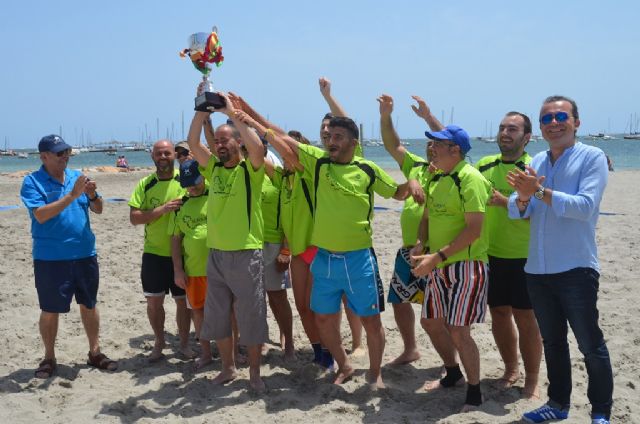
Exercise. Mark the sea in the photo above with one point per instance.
(625, 154)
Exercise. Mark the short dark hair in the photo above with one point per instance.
(347, 124)
(527, 121)
(558, 98)
(297, 135)
(328, 115)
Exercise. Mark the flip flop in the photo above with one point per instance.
(101, 362)
(46, 368)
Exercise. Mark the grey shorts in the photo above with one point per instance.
(235, 279)
(273, 279)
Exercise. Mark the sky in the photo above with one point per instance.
(97, 71)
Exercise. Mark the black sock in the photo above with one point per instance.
(453, 375)
(474, 397)
(317, 352)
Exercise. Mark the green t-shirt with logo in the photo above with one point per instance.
(296, 210)
(343, 198)
(271, 208)
(234, 214)
(413, 167)
(449, 197)
(190, 221)
(508, 238)
(149, 194)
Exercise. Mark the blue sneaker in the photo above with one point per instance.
(545, 413)
(599, 419)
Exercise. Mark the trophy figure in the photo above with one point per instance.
(205, 49)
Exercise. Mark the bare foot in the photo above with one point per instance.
(358, 352)
(530, 392)
(508, 379)
(156, 352)
(343, 374)
(255, 382)
(405, 358)
(375, 383)
(187, 353)
(201, 363)
(225, 376)
(431, 385)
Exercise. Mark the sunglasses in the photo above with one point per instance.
(549, 117)
(182, 152)
(62, 153)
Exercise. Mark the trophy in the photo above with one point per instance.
(205, 49)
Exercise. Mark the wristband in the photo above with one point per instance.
(442, 255)
(267, 132)
(285, 251)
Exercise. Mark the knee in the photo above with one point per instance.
(431, 326)
(460, 335)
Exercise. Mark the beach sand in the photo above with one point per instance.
(171, 391)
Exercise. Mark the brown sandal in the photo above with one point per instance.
(101, 362)
(46, 368)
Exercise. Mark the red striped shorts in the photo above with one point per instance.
(458, 293)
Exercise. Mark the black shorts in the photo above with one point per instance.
(157, 276)
(508, 283)
(57, 282)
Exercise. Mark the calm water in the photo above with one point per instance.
(624, 153)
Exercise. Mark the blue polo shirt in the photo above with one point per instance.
(67, 235)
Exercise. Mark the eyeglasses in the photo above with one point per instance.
(549, 117)
(442, 143)
(62, 153)
(182, 152)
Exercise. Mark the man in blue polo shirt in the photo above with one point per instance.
(64, 248)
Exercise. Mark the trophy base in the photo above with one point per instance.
(208, 102)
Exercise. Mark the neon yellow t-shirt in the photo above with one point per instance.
(149, 194)
(413, 167)
(190, 221)
(271, 208)
(234, 214)
(296, 210)
(343, 198)
(508, 238)
(448, 202)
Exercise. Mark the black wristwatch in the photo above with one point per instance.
(539, 193)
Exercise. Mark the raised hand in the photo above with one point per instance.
(525, 183)
(325, 86)
(386, 104)
(79, 186)
(422, 110)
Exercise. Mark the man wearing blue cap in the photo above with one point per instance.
(456, 198)
(64, 248)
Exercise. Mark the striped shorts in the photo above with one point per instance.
(458, 293)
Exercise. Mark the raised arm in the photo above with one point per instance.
(249, 137)
(325, 90)
(389, 136)
(199, 152)
(240, 103)
(424, 112)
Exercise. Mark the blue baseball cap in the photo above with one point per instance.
(52, 143)
(452, 133)
(190, 174)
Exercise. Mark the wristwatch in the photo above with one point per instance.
(539, 193)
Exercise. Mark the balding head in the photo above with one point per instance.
(163, 155)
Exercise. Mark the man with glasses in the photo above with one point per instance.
(508, 250)
(183, 153)
(153, 200)
(452, 228)
(560, 194)
(64, 248)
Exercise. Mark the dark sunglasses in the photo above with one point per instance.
(559, 117)
(65, 152)
(182, 152)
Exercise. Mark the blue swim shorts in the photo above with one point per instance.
(354, 274)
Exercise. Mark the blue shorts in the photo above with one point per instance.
(58, 281)
(354, 274)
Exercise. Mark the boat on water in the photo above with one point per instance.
(635, 136)
(600, 136)
(22, 155)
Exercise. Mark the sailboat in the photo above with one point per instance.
(633, 135)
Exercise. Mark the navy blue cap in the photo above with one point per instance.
(189, 173)
(452, 133)
(52, 143)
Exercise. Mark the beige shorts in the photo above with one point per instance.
(274, 280)
(235, 279)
